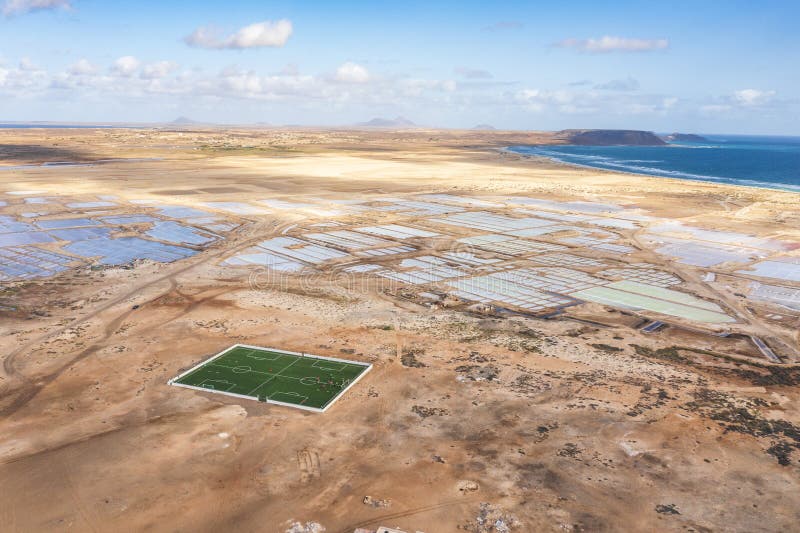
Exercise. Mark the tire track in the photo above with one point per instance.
(404, 514)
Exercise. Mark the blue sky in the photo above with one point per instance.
(710, 66)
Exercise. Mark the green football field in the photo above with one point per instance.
(274, 376)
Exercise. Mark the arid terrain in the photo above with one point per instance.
(479, 415)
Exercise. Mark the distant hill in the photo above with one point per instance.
(610, 137)
(185, 121)
(380, 122)
(685, 137)
(484, 127)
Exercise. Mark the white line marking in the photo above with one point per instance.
(275, 375)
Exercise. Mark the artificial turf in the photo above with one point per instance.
(274, 376)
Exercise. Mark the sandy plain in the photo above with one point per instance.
(468, 421)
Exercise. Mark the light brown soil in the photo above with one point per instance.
(550, 425)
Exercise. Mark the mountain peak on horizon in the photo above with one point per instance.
(381, 122)
(184, 120)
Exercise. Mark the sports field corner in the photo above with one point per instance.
(270, 375)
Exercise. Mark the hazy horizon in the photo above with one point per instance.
(688, 67)
(355, 126)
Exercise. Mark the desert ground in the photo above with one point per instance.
(476, 417)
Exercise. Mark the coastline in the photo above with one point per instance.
(713, 180)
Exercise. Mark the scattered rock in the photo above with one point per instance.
(530, 384)
(606, 348)
(478, 358)
(308, 527)
(667, 509)
(479, 373)
(570, 450)
(378, 504)
(425, 412)
(467, 485)
(409, 358)
(492, 519)
(743, 415)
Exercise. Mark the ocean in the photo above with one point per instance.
(755, 161)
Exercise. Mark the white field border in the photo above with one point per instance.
(324, 408)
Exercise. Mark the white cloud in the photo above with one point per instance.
(158, 70)
(593, 102)
(352, 73)
(18, 7)
(129, 78)
(627, 84)
(290, 69)
(752, 97)
(242, 82)
(26, 64)
(350, 87)
(416, 87)
(82, 68)
(714, 109)
(753, 100)
(537, 100)
(203, 37)
(258, 35)
(473, 73)
(126, 66)
(23, 80)
(614, 44)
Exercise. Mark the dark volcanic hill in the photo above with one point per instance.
(685, 137)
(610, 137)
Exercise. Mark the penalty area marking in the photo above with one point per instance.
(208, 384)
(329, 368)
(275, 356)
(294, 396)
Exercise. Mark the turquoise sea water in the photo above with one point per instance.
(756, 161)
